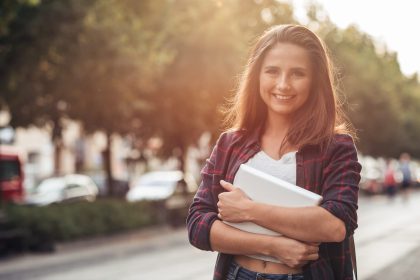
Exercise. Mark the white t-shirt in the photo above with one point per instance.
(284, 168)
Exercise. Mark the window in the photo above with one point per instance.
(9, 169)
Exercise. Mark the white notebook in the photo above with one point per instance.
(265, 188)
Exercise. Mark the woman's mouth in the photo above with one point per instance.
(282, 96)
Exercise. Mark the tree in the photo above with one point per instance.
(32, 63)
(9, 10)
(380, 101)
(211, 40)
(94, 64)
(118, 56)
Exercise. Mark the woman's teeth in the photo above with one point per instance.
(283, 97)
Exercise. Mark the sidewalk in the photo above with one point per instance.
(387, 244)
(130, 237)
(406, 267)
(89, 249)
(388, 238)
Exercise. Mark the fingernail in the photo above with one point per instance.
(222, 181)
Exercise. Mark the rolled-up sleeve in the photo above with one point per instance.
(340, 184)
(203, 210)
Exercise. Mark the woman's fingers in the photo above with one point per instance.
(312, 257)
(313, 243)
(311, 253)
(313, 249)
(227, 186)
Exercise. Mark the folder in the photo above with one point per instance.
(264, 188)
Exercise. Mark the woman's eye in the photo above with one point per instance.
(271, 71)
(298, 74)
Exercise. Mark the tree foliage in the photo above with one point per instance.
(210, 45)
(381, 102)
(163, 68)
(33, 65)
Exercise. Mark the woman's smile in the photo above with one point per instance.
(283, 97)
(285, 79)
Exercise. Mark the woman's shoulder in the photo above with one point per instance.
(342, 143)
(226, 143)
(336, 141)
(231, 137)
(341, 138)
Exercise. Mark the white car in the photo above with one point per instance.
(160, 185)
(66, 188)
(170, 191)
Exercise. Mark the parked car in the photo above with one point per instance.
(417, 175)
(120, 187)
(172, 190)
(73, 187)
(11, 174)
(372, 175)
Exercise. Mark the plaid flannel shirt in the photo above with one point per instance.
(333, 173)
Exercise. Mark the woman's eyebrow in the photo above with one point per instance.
(297, 68)
(271, 67)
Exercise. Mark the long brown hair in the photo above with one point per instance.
(321, 116)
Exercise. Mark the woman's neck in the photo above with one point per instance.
(274, 134)
(276, 127)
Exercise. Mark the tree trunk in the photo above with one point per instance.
(79, 154)
(58, 146)
(57, 139)
(107, 156)
(182, 157)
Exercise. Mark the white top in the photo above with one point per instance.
(284, 168)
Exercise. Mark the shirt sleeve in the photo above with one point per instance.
(341, 180)
(203, 210)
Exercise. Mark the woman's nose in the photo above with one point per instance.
(283, 83)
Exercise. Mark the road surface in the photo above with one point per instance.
(387, 242)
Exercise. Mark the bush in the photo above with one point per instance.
(42, 226)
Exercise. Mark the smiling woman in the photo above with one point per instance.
(285, 106)
(285, 80)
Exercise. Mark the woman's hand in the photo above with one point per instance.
(233, 205)
(294, 253)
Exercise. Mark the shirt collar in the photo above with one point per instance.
(253, 137)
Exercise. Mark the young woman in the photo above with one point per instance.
(285, 121)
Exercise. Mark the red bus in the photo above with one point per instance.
(11, 174)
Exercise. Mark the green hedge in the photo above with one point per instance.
(63, 222)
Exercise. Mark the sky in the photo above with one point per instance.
(395, 23)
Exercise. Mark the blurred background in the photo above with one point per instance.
(109, 109)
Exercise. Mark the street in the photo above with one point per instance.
(387, 242)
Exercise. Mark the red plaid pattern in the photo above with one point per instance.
(333, 173)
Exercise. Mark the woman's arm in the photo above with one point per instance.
(207, 232)
(330, 222)
(311, 224)
(229, 240)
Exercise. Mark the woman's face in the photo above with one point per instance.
(285, 79)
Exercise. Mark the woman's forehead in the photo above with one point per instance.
(287, 54)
